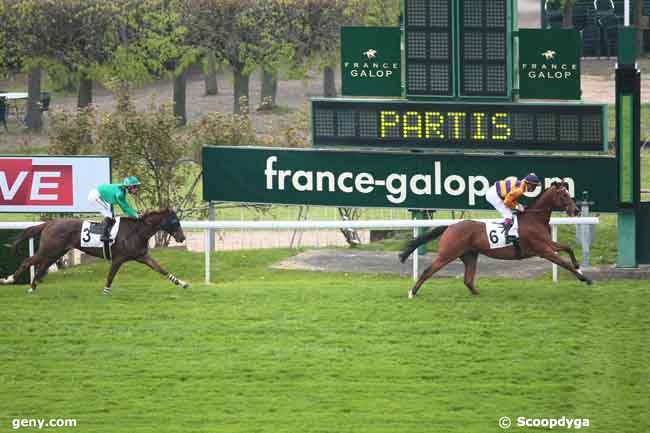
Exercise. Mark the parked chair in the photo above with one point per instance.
(3, 112)
(45, 101)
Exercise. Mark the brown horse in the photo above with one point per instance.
(467, 239)
(57, 237)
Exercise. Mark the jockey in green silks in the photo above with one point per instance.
(108, 194)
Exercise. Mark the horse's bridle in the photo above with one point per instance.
(170, 224)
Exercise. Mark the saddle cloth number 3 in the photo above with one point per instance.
(90, 239)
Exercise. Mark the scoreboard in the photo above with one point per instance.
(459, 125)
(457, 48)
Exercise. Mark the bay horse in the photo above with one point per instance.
(59, 236)
(467, 239)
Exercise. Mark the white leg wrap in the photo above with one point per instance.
(106, 291)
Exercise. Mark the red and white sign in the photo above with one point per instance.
(50, 184)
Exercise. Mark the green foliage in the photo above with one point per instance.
(146, 144)
(72, 132)
(375, 12)
(223, 129)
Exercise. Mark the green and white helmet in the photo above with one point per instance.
(131, 181)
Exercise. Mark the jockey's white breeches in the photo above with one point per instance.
(102, 207)
(493, 198)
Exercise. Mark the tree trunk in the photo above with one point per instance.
(210, 74)
(85, 95)
(34, 118)
(329, 82)
(241, 92)
(639, 30)
(180, 87)
(567, 20)
(122, 92)
(269, 90)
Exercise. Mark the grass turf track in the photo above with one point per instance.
(285, 351)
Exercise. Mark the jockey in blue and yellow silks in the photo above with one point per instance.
(503, 195)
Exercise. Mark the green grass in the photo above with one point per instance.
(264, 350)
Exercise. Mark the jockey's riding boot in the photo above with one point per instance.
(507, 225)
(108, 225)
(512, 239)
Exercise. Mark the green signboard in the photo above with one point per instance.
(385, 179)
(459, 125)
(549, 63)
(371, 61)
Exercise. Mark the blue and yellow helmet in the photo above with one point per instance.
(131, 181)
(532, 179)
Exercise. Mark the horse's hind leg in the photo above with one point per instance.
(437, 264)
(471, 265)
(29, 261)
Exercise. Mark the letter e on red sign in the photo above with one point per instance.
(24, 184)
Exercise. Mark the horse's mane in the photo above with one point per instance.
(150, 213)
(157, 212)
(539, 201)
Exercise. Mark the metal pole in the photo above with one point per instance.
(626, 13)
(32, 272)
(554, 235)
(206, 241)
(415, 256)
(212, 216)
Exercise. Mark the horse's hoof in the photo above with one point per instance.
(31, 291)
(106, 291)
(185, 286)
(411, 295)
(589, 282)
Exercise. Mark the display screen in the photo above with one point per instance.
(459, 125)
(458, 48)
(429, 47)
(483, 48)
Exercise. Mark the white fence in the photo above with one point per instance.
(209, 226)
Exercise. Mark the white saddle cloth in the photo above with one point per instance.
(92, 240)
(496, 236)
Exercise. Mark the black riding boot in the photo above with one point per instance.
(106, 236)
(506, 231)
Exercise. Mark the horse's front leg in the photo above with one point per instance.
(550, 255)
(567, 249)
(147, 260)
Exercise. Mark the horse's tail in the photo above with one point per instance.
(30, 232)
(411, 245)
